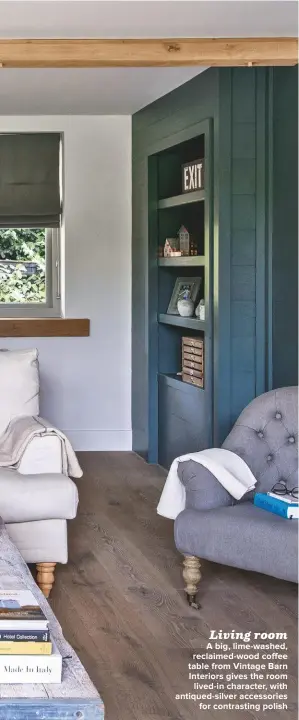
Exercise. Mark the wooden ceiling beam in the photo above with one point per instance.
(76, 53)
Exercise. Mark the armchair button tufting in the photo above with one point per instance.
(260, 434)
(269, 458)
(278, 416)
(291, 439)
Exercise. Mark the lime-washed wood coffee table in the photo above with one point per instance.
(75, 698)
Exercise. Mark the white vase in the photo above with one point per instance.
(200, 310)
(186, 307)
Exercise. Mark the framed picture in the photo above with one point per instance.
(181, 285)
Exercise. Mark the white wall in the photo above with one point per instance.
(86, 382)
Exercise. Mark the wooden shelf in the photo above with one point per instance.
(184, 199)
(191, 323)
(184, 261)
(44, 327)
(176, 381)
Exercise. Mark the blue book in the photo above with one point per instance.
(276, 506)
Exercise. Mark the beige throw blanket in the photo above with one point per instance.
(227, 467)
(21, 431)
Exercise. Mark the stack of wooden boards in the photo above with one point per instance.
(193, 361)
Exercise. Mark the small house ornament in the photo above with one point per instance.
(171, 248)
(184, 238)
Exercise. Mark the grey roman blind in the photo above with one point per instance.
(29, 180)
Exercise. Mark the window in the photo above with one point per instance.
(30, 209)
(29, 272)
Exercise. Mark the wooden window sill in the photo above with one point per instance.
(44, 327)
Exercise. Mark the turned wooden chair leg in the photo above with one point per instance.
(45, 577)
(192, 576)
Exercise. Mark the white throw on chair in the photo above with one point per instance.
(36, 495)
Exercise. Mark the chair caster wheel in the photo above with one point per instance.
(192, 602)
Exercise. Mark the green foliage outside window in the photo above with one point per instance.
(23, 280)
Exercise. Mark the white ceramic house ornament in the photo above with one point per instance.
(184, 237)
(167, 248)
(171, 247)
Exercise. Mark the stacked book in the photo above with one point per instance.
(284, 505)
(27, 653)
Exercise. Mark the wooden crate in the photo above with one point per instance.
(193, 343)
(192, 364)
(192, 380)
(191, 371)
(192, 353)
(193, 360)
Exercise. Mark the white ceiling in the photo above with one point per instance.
(122, 90)
(145, 18)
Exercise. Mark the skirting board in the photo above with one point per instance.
(109, 440)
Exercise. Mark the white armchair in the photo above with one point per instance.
(36, 496)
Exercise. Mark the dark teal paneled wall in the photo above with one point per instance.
(246, 306)
(243, 239)
(239, 243)
(152, 127)
(285, 227)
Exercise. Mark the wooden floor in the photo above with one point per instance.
(121, 604)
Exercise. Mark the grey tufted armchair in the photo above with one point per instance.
(216, 527)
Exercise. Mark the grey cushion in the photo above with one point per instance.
(242, 536)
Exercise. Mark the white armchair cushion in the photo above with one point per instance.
(41, 540)
(25, 498)
(19, 385)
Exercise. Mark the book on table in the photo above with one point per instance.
(30, 635)
(277, 504)
(27, 654)
(19, 610)
(17, 647)
(31, 669)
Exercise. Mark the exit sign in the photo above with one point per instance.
(192, 176)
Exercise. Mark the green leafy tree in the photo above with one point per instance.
(23, 245)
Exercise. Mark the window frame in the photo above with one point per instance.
(52, 306)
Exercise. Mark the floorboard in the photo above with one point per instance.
(121, 604)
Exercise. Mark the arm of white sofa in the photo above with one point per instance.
(42, 455)
(22, 432)
(26, 445)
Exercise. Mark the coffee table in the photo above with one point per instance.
(76, 698)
